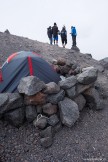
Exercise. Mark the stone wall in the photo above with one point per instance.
(50, 106)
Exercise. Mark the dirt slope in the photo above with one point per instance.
(86, 141)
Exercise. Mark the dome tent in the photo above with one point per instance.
(22, 64)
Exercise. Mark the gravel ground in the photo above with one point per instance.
(86, 141)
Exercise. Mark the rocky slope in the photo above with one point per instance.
(86, 140)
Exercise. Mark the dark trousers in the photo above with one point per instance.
(74, 40)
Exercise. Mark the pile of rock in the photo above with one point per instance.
(66, 68)
(50, 106)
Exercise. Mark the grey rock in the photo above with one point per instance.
(48, 132)
(53, 120)
(87, 68)
(30, 85)
(46, 142)
(93, 99)
(31, 113)
(15, 117)
(52, 88)
(3, 101)
(98, 67)
(80, 100)
(80, 88)
(49, 109)
(77, 70)
(69, 112)
(12, 101)
(88, 76)
(71, 93)
(39, 109)
(68, 82)
(55, 98)
(41, 122)
(88, 55)
(57, 127)
(104, 62)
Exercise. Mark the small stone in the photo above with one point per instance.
(46, 132)
(46, 142)
(49, 109)
(41, 122)
(53, 120)
(52, 88)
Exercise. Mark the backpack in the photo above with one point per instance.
(63, 33)
(73, 31)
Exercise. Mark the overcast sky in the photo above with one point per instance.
(30, 18)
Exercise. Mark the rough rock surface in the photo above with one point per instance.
(88, 138)
(15, 117)
(69, 112)
(68, 82)
(31, 113)
(52, 88)
(93, 98)
(87, 76)
(80, 100)
(55, 98)
(30, 85)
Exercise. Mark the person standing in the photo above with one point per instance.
(73, 34)
(55, 33)
(63, 36)
(49, 33)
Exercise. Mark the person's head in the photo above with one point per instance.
(63, 27)
(49, 27)
(55, 24)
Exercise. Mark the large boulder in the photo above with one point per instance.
(69, 112)
(93, 99)
(10, 101)
(52, 88)
(55, 98)
(71, 93)
(88, 76)
(68, 82)
(30, 85)
(15, 117)
(80, 100)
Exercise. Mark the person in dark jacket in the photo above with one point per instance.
(63, 36)
(49, 33)
(55, 32)
(73, 34)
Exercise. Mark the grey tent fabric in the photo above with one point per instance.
(18, 66)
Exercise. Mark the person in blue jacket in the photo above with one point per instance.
(73, 34)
